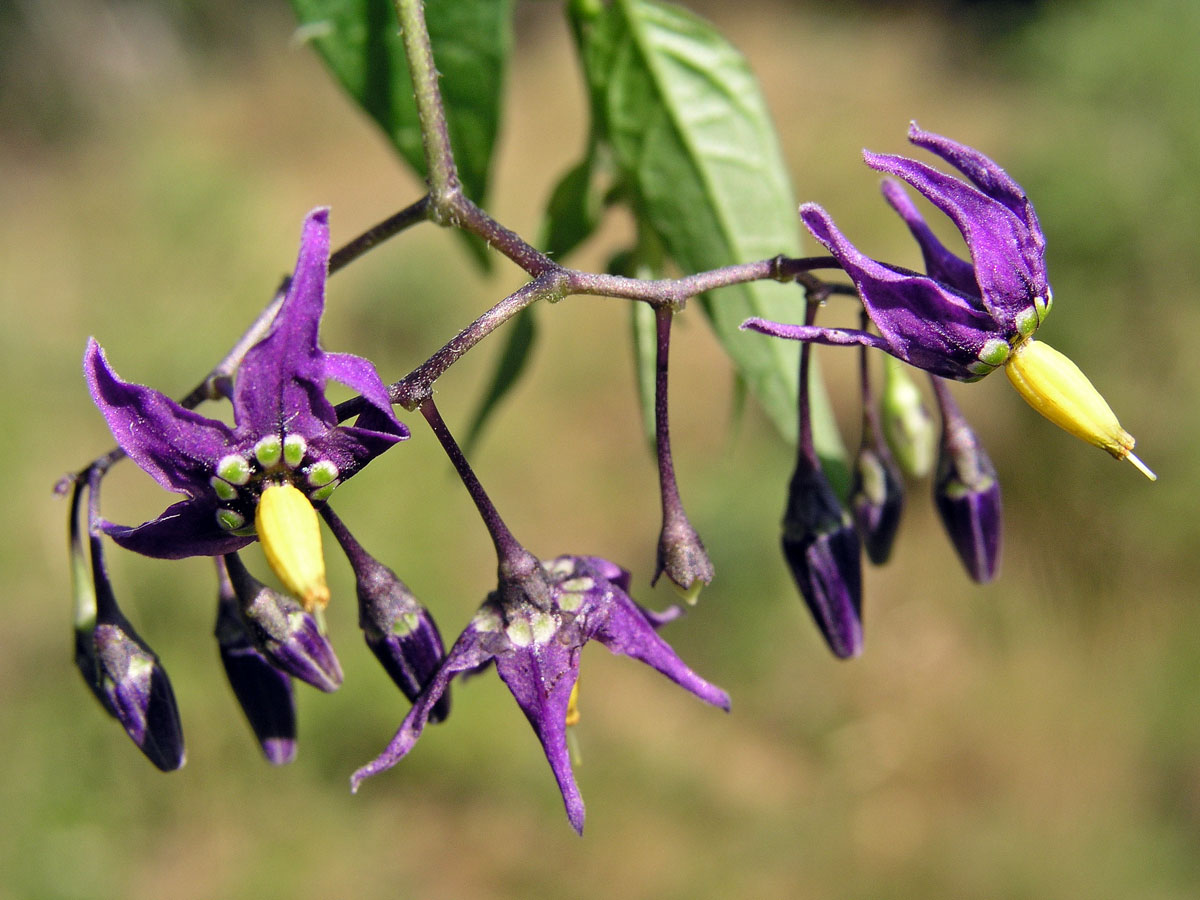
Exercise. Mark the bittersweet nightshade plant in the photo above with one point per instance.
(533, 627)
(286, 442)
(672, 106)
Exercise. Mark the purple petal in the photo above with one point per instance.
(620, 626)
(925, 323)
(281, 380)
(940, 263)
(177, 447)
(1009, 264)
(350, 448)
(187, 528)
(540, 678)
(983, 173)
(469, 651)
(359, 375)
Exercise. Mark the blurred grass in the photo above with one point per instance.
(1038, 737)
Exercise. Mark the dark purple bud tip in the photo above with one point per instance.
(876, 500)
(967, 494)
(824, 554)
(263, 691)
(399, 630)
(683, 559)
(135, 689)
(283, 632)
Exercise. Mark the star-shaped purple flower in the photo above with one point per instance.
(961, 319)
(285, 433)
(534, 636)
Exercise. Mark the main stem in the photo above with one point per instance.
(444, 184)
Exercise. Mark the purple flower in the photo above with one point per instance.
(961, 319)
(533, 627)
(285, 435)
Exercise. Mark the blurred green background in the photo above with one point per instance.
(1038, 737)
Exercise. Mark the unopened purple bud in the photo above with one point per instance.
(876, 499)
(966, 491)
(400, 631)
(119, 667)
(823, 551)
(682, 557)
(281, 629)
(136, 690)
(263, 691)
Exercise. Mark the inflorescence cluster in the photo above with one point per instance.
(269, 478)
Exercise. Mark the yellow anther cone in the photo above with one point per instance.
(1055, 387)
(290, 535)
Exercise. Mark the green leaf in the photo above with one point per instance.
(691, 134)
(513, 361)
(645, 362)
(360, 42)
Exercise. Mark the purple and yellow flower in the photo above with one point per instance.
(285, 453)
(963, 320)
(533, 628)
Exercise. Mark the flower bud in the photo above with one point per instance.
(682, 557)
(263, 691)
(1055, 387)
(907, 423)
(966, 492)
(822, 550)
(399, 630)
(283, 632)
(117, 665)
(876, 500)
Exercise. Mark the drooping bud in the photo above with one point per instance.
(907, 423)
(681, 553)
(820, 543)
(683, 559)
(263, 691)
(966, 491)
(119, 667)
(290, 534)
(283, 631)
(1055, 387)
(823, 552)
(877, 488)
(398, 629)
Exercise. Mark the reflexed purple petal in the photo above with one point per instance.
(983, 173)
(940, 263)
(540, 678)
(176, 446)
(618, 576)
(925, 323)
(1009, 268)
(468, 652)
(359, 375)
(187, 528)
(621, 627)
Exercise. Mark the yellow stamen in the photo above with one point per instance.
(1055, 387)
(290, 534)
(573, 705)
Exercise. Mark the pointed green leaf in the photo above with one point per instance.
(690, 132)
(573, 211)
(360, 42)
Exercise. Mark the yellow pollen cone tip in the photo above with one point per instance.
(290, 534)
(1055, 387)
